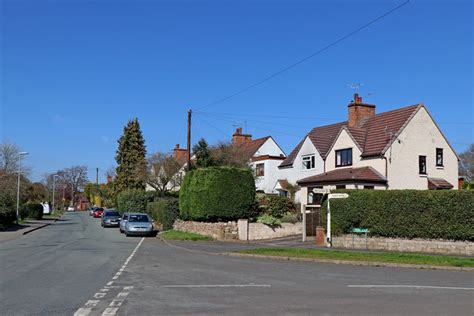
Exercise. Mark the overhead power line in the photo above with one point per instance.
(293, 65)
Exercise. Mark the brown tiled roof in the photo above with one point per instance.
(251, 148)
(438, 184)
(362, 174)
(372, 135)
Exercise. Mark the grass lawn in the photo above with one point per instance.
(390, 257)
(179, 235)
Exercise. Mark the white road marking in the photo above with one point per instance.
(116, 303)
(411, 287)
(99, 295)
(92, 303)
(104, 290)
(122, 294)
(110, 283)
(110, 311)
(128, 287)
(82, 312)
(216, 285)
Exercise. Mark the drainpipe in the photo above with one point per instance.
(386, 168)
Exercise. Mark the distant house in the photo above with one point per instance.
(399, 149)
(264, 156)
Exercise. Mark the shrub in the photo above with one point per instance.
(216, 193)
(133, 201)
(164, 211)
(269, 220)
(275, 205)
(290, 218)
(406, 213)
(31, 210)
(7, 210)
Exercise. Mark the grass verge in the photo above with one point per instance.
(179, 235)
(389, 257)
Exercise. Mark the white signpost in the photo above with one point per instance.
(332, 196)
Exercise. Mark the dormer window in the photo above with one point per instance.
(309, 162)
(344, 157)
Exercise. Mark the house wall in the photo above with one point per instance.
(270, 147)
(420, 137)
(345, 141)
(271, 175)
(296, 172)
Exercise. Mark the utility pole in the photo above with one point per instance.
(189, 138)
(54, 188)
(97, 176)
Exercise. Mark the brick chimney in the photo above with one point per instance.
(359, 112)
(238, 138)
(179, 153)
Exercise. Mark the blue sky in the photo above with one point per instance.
(73, 72)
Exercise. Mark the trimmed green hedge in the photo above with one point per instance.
(216, 193)
(164, 211)
(133, 200)
(31, 210)
(406, 213)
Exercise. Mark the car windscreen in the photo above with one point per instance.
(125, 217)
(112, 214)
(138, 218)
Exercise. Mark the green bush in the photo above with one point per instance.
(216, 193)
(273, 205)
(406, 213)
(133, 201)
(31, 210)
(290, 218)
(7, 210)
(164, 211)
(269, 220)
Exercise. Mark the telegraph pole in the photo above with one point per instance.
(97, 176)
(189, 138)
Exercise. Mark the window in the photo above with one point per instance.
(422, 164)
(368, 187)
(308, 162)
(260, 169)
(439, 157)
(344, 157)
(314, 198)
(339, 187)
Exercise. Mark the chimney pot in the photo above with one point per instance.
(359, 111)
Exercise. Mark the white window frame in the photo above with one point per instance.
(308, 158)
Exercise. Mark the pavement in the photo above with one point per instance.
(16, 231)
(76, 267)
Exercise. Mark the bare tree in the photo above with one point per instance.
(9, 159)
(75, 178)
(466, 163)
(226, 154)
(163, 172)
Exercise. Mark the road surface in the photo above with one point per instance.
(77, 267)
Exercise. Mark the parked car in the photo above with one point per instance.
(98, 212)
(123, 222)
(71, 209)
(139, 224)
(91, 210)
(110, 218)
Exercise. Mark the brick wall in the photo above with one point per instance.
(445, 247)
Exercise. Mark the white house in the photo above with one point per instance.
(399, 149)
(264, 157)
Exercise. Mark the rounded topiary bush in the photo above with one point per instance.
(216, 193)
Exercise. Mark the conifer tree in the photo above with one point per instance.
(130, 157)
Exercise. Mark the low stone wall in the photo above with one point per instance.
(220, 230)
(239, 231)
(258, 231)
(445, 247)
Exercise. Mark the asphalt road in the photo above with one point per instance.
(54, 270)
(75, 266)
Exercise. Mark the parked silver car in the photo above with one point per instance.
(110, 218)
(123, 222)
(139, 224)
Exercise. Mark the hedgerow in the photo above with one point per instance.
(406, 213)
(165, 211)
(216, 193)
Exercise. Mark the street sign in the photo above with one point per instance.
(321, 191)
(338, 196)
